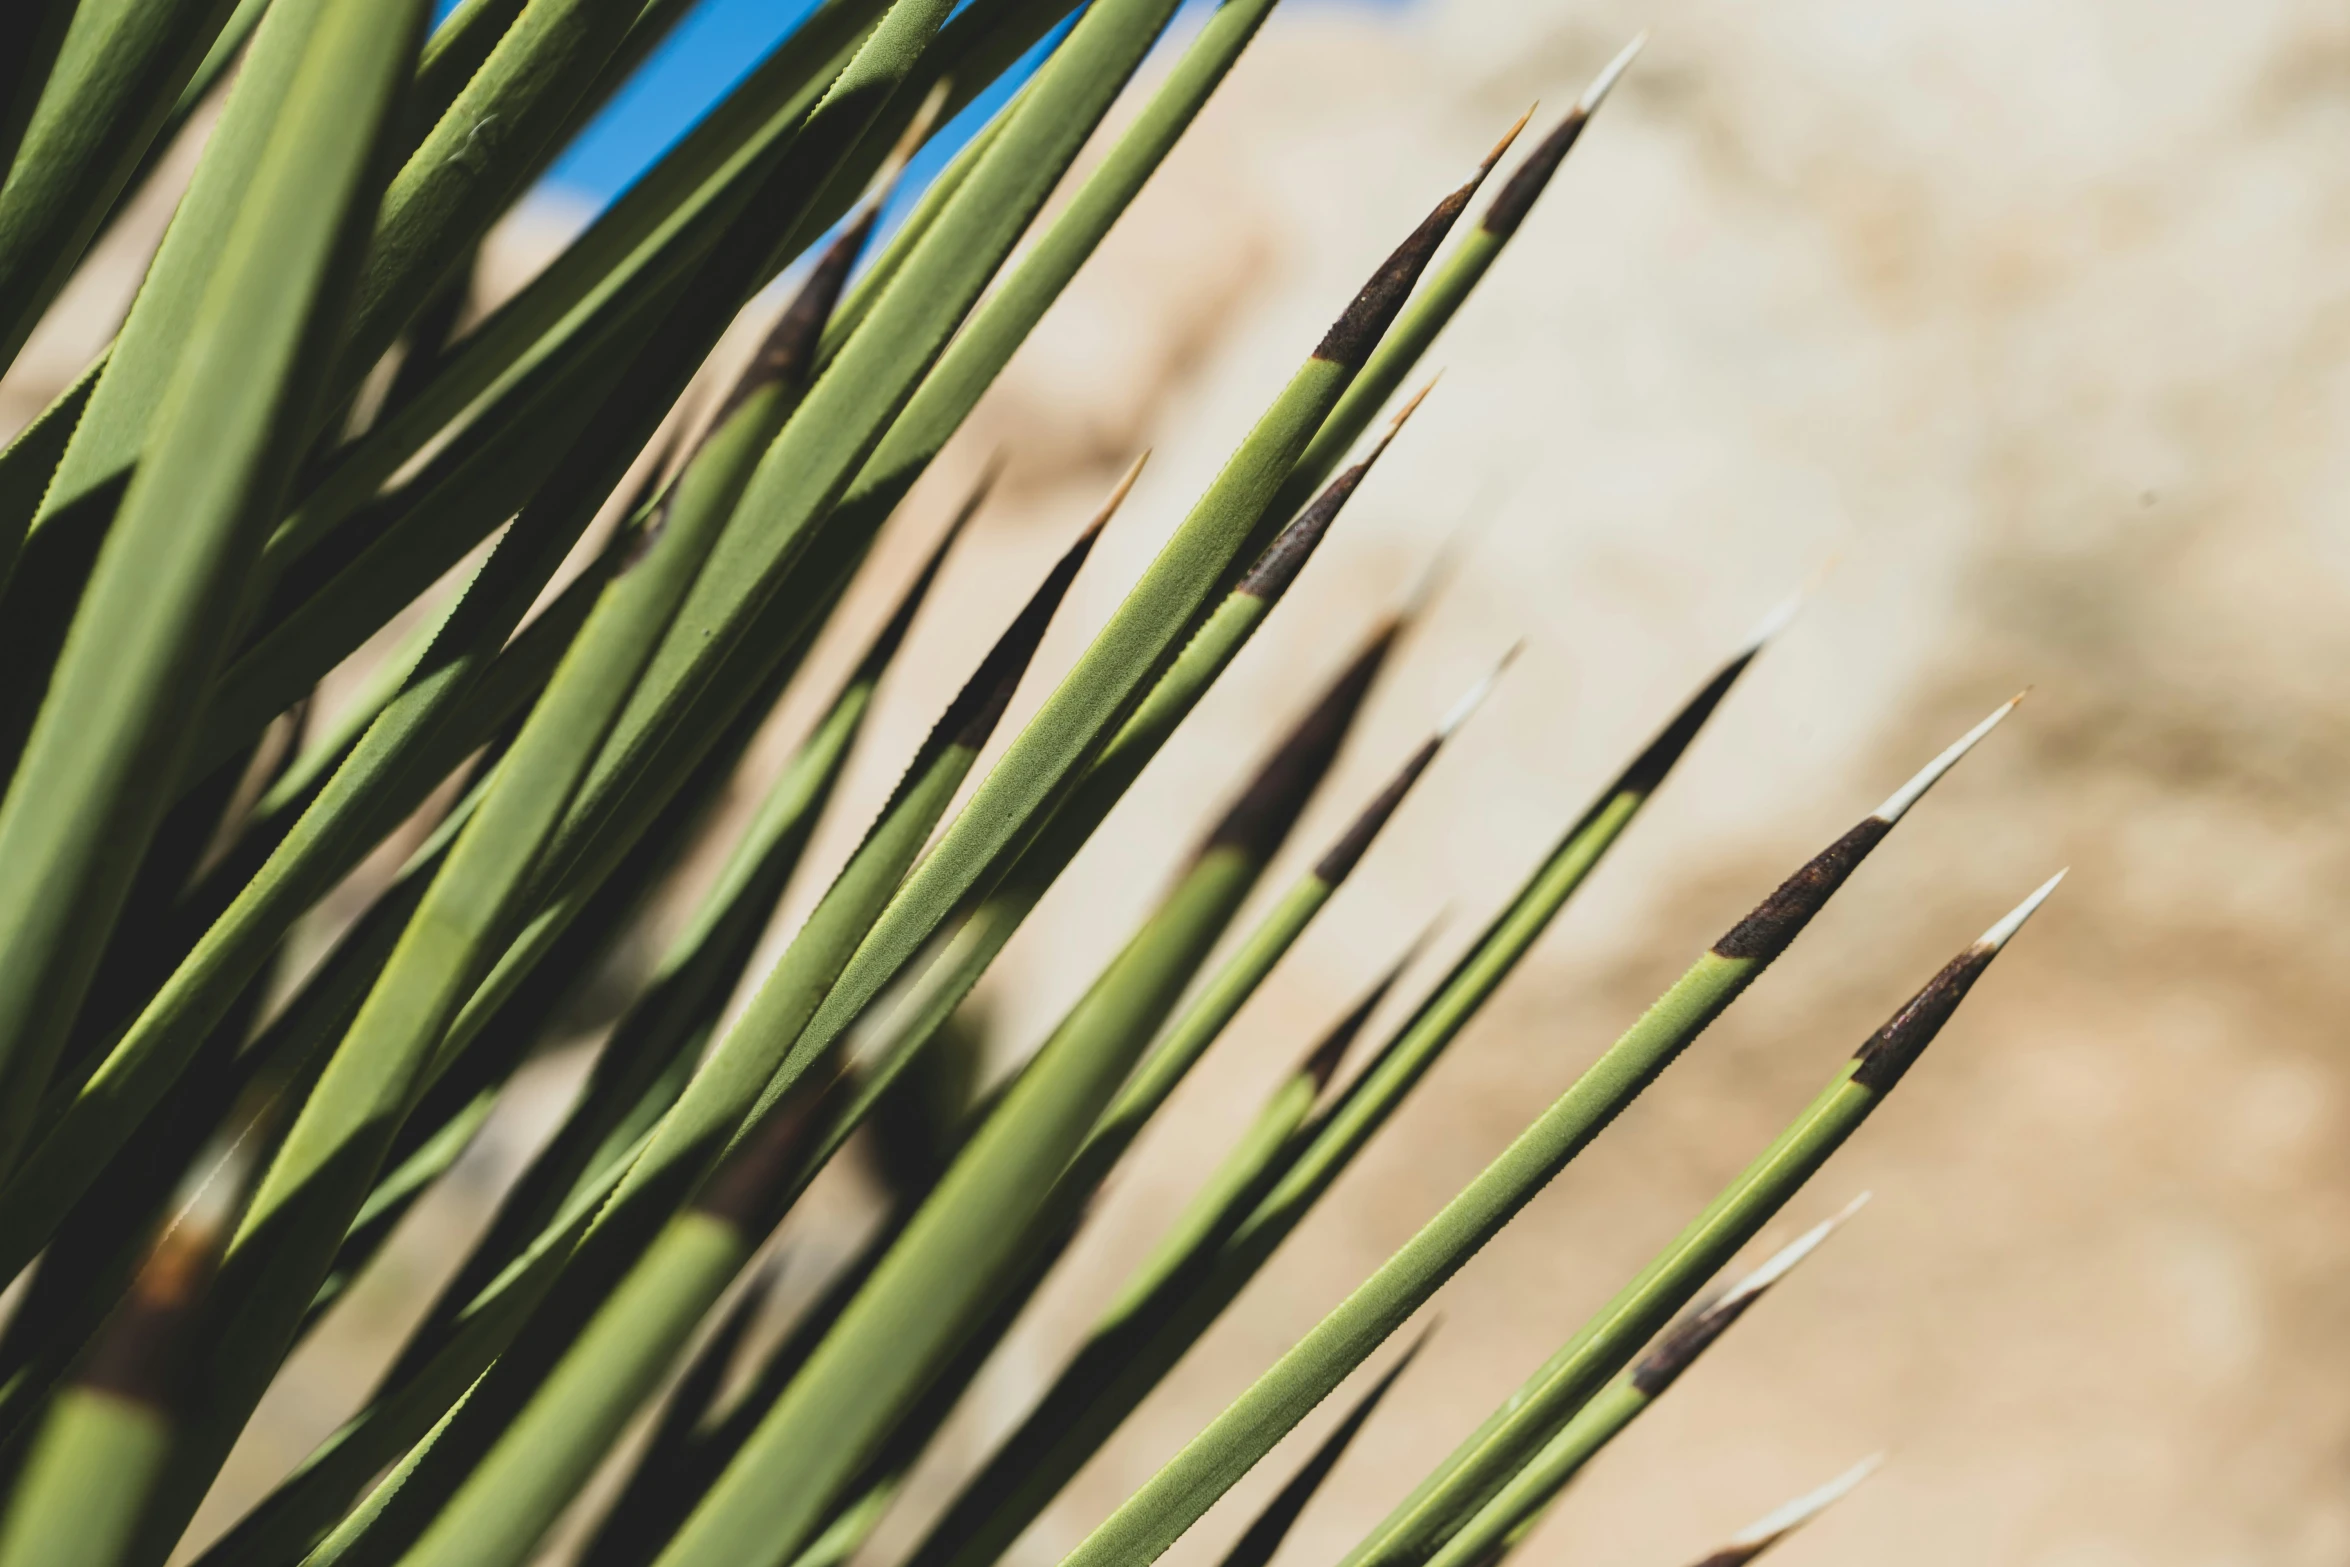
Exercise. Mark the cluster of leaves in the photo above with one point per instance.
(290, 441)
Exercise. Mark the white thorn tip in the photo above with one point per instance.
(1929, 775)
(1999, 935)
(1605, 82)
(1781, 616)
(1475, 696)
(1123, 488)
(1806, 1507)
(1411, 406)
(1782, 1262)
(909, 142)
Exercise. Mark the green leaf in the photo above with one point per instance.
(1449, 285)
(539, 1423)
(978, 1227)
(119, 421)
(635, 1075)
(161, 605)
(498, 132)
(102, 1448)
(1503, 1523)
(1156, 1515)
(28, 462)
(119, 67)
(975, 939)
(1487, 1462)
(29, 38)
(96, 1452)
(1114, 674)
(1169, 1304)
(1264, 1535)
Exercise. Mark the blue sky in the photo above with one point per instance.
(712, 49)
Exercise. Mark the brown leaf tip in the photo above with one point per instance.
(1679, 1345)
(1359, 327)
(754, 1176)
(138, 1356)
(788, 352)
(1261, 817)
(1892, 1050)
(1340, 859)
(973, 714)
(1526, 183)
(1287, 555)
(1321, 1062)
(1780, 918)
(1647, 771)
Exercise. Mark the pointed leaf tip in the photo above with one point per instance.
(1474, 698)
(1322, 1061)
(1647, 771)
(2000, 934)
(1340, 859)
(1273, 571)
(1359, 327)
(1782, 1262)
(1677, 1348)
(1609, 74)
(1898, 803)
(1775, 1526)
(1261, 817)
(1775, 922)
(788, 352)
(973, 714)
(1410, 407)
(1889, 1053)
(892, 636)
(1781, 616)
(1533, 174)
(1118, 493)
(1507, 137)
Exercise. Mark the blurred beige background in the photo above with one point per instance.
(2031, 320)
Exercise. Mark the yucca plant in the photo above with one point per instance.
(288, 444)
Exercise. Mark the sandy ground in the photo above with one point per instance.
(2027, 322)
